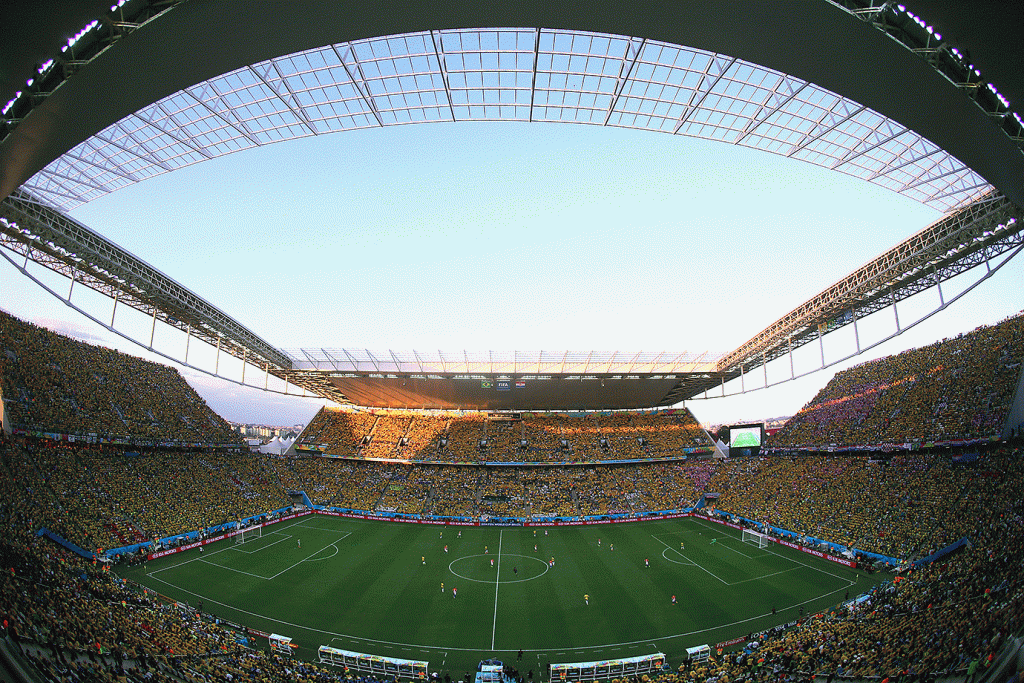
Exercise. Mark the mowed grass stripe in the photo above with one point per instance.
(380, 593)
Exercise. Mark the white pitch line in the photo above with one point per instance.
(695, 563)
(232, 569)
(758, 578)
(724, 545)
(804, 564)
(269, 545)
(497, 582)
(309, 556)
(317, 528)
(198, 558)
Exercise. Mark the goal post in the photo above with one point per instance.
(248, 534)
(755, 538)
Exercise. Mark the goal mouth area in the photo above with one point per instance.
(755, 538)
(244, 535)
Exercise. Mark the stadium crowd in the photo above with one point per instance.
(52, 383)
(903, 506)
(932, 619)
(895, 507)
(947, 617)
(74, 621)
(551, 438)
(958, 388)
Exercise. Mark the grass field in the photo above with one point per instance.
(375, 587)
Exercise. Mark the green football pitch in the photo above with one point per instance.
(388, 589)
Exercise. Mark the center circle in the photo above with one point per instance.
(507, 568)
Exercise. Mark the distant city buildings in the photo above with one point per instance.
(265, 432)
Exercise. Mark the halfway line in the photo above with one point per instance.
(497, 581)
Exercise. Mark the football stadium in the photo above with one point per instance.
(510, 516)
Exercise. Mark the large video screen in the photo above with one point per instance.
(745, 436)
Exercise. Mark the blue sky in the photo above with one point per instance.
(507, 236)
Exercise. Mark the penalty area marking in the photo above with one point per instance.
(314, 558)
(665, 552)
(734, 583)
(695, 564)
(200, 558)
(316, 528)
(804, 564)
(469, 578)
(308, 558)
(238, 549)
(345, 535)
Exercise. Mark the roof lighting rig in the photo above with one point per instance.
(898, 22)
(91, 41)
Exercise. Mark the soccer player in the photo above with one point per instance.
(460, 533)
(586, 598)
(545, 532)
(611, 546)
(534, 533)
(485, 550)
(455, 591)
(599, 543)
(423, 559)
(515, 570)
(300, 543)
(446, 548)
(681, 546)
(647, 562)
(492, 562)
(442, 586)
(714, 541)
(534, 547)
(673, 599)
(440, 534)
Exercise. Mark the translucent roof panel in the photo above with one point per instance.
(497, 362)
(509, 75)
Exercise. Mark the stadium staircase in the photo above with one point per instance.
(380, 495)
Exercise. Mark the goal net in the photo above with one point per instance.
(249, 534)
(755, 538)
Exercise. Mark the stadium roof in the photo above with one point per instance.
(322, 67)
(507, 380)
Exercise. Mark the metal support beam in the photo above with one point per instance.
(821, 347)
(792, 367)
(65, 246)
(895, 312)
(856, 331)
